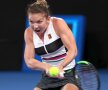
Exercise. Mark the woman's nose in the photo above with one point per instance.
(35, 26)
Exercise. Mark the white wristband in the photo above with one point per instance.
(61, 74)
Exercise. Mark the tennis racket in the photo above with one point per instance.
(87, 76)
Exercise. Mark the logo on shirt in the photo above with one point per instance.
(49, 36)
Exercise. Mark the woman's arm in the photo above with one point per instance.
(30, 53)
(67, 38)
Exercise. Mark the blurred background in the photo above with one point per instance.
(13, 24)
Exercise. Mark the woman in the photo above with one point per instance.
(51, 38)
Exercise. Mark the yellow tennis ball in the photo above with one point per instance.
(53, 71)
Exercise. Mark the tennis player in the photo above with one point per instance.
(52, 39)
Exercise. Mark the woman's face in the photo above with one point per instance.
(38, 22)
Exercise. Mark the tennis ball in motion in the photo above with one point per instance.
(53, 71)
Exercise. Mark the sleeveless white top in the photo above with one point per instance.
(52, 50)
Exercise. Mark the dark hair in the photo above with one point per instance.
(40, 6)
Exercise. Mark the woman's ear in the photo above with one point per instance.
(48, 18)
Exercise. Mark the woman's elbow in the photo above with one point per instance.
(29, 63)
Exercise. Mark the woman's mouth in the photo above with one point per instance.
(37, 30)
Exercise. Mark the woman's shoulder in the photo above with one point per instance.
(56, 19)
(58, 24)
(28, 32)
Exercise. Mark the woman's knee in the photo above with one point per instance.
(70, 86)
(36, 88)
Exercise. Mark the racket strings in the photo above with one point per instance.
(87, 76)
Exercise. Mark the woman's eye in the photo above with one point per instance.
(39, 22)
(31, 21)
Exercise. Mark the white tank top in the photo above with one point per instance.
(52, 50)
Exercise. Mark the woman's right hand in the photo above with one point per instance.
(48, 66)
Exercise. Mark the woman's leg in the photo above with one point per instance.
(36, 88)
(69, 86)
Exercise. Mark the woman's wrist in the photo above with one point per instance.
(60, 66)
(47, 66)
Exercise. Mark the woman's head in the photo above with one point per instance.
(38, 16)
(40, 6)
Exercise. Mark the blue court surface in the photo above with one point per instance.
(27, 80)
